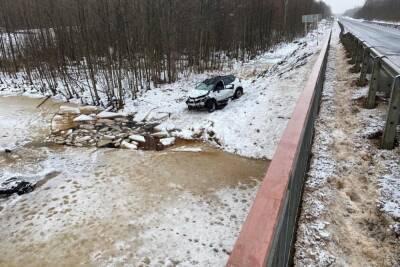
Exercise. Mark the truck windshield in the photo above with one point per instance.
(204, 87)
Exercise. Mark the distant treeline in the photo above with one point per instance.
(380, 9)
(119, 47)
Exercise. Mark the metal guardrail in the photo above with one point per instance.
(267, 237)
(385, 77)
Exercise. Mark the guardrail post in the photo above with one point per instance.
(374, 83)
(389, 134)
(349, 45)
(344, 40)
(341, 29)
(354, 51)
(355, 60)
(364, 67)
(359, 56)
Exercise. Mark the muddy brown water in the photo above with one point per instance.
(113, 207)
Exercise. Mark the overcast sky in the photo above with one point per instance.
(339, 6)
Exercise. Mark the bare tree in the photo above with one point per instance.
(113, 49)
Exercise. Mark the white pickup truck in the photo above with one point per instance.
(214, 92)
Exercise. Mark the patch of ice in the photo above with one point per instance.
(83, 118)
(167, 141)
(127, 145)
(69, 110)
(187, 149)
(110, 115)
(137, 138)
(193, 231)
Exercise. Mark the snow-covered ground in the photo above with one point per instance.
(351, 202)
(250, 126)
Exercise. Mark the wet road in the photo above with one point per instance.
(114, 207)
(385, 40)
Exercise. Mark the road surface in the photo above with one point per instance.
(385, 40)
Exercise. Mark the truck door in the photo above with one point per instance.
(229, 86)
(219, 91)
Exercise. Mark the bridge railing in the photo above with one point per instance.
(267, 236)
(385, 77)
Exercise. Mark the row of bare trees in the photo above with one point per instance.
(380, 9)
(111, 49)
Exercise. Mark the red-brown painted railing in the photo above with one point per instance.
(267, 236)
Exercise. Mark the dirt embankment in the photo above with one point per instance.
(341, 223)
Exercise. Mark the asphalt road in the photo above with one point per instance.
(385, 40)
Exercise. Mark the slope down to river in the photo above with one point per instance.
(252, 125)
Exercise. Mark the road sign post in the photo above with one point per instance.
(311, 19)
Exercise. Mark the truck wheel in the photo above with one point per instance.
(211, 105)
(238, 93)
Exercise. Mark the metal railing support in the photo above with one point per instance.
(349, 45)
(355, 68)
(354, 51)
(365, 66)
(385, 75)
(386, 84)
(358, 56)
(374, 83)
(389, 134)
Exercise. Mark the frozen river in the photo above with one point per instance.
(114, 207)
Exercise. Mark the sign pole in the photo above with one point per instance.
(313, 20)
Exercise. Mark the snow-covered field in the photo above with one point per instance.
(250, 126)
(351, 202)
